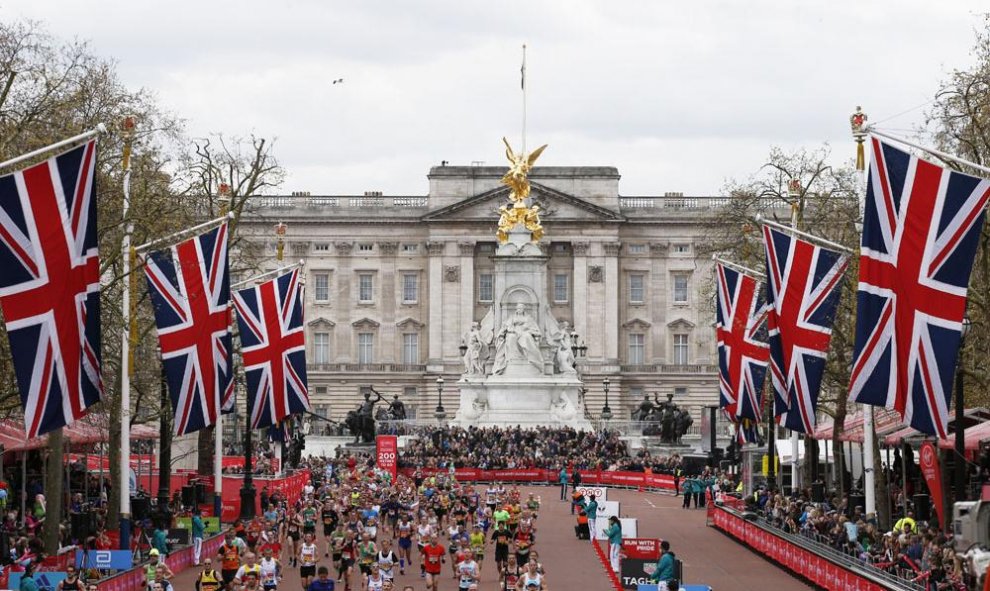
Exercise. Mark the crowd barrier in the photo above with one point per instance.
(540, 476)
(178, 561)
(821, 571)
(290, 486)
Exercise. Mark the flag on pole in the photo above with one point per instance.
(50, 287)
(743, 355)
(921, 227)
(803, 295)
(190, 290)
(270, 318)
(747, 431)
(522, 71)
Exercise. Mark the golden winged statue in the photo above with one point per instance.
(518, 182)
(520, 165)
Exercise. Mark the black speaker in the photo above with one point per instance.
(82, 525)
(818, 492)
(5, 558)
(855, 500)
(188, 495)
(140, 508)
(922, 507)
(200, 492)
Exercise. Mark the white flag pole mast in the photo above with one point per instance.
(795, 190)
(280, 230)
(66, 142)
(126, 356)
(858, 123)
(523, 83)
(224, 191)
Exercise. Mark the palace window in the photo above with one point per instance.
(410, 248)
(637, 248)
(321, 246)
(321, 287)
(560, 288)
(680, 289)
(680, 349)
(637, 349)
(366, 247)
(410, 288)
(366, 288)
(321, 347)
(410, 348)
(636, 288)
(366, 348)
(486, 287)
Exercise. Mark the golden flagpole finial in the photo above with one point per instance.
(857, 121)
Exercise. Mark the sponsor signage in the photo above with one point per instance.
(639, 561)
(177, 537)
(211, 525)
(105, 559)
(600, 492)
(928, 458)
(47, 581)
(387, 454)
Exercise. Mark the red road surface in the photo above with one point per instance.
(709, 557)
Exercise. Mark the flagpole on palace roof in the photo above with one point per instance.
(522, 72)
(66, 142)
(126, 344)
(859, 129)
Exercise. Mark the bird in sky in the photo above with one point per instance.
(338, 81)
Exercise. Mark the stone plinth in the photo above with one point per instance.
(528, 401)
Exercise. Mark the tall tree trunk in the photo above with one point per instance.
(54, 491)
(838, 454)
(206, 451)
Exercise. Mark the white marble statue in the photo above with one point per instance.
(519, 338)
(474, 364)
(564, 355)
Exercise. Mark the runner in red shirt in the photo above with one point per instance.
(434, 555)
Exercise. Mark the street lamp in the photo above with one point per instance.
(440, 413)
(606, 410)
(960, 459)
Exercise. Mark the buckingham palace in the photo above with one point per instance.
(393, 283)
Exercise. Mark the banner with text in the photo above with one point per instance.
(639, 561)
(932, 471)
(387, 453)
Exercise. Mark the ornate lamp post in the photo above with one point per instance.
(440, 413)
(606, 410)
(960, 459)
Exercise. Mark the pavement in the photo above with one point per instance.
(709, 557)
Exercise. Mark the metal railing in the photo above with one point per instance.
(367, 367)
(336, 201)
(677, 202)
(669, 368)
(893, 577)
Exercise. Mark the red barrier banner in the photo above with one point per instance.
(816, 569)
(387, 454)
(932, 471)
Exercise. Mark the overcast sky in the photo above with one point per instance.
(680, 96)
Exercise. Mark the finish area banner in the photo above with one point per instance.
(387, 454)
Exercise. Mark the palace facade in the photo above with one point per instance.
(394, 282)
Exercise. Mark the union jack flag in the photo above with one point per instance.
(270, 317)
(742, 355)
(803, 297)
(190, 290)
(747, 431)
(921, 228)
(50, 287)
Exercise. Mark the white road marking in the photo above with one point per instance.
(651, 503)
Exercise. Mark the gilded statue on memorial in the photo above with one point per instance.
(518, 182)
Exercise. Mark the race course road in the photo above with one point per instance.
(709, 557)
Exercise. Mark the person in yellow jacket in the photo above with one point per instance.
(906, 524)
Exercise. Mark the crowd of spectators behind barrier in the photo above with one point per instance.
(912, 550)
(497, 448)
